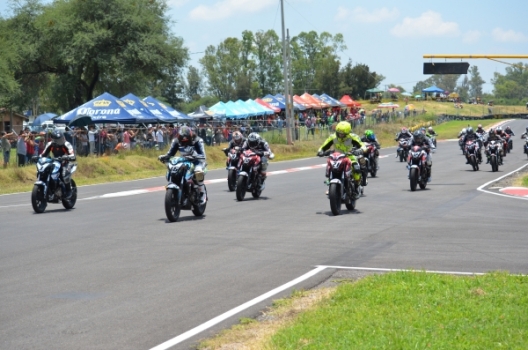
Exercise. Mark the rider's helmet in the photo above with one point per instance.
(491, 131)
(185, 136)
(253, 139)
(463, 131)
(369, 135)
(404, 130)
(237, 137)
(430, 129)
(479, 127)
(422, 130)
(418, 136)
(498, 130)
(470, 130)
(508, 128)
(343, 129)
(57, 137)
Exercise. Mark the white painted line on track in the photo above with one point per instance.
(481, 188)
(170, 343)
(204, 326)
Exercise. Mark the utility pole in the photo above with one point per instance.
(286, 80)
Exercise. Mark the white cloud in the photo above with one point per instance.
(227, 8)
(428, 24)
(176, 3)
(472, 36)
(360, 14)
(500, 34)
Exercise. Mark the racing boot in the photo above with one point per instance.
(263, 177)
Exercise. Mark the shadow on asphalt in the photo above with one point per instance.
(250, 198)
(343, 212)
(185, 218)
(60, 209)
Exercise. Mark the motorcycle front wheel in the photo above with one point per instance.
(474, 164)
(334, 195)
(38, 201)
(494, 163)
(413, 177)
(232, 180)
(172, 206)
(241, 188)
(374, 168)
(70, 202)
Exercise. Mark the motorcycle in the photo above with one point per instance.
(472, 149)
(403, 149)
(49, 187)
(508, 143)
(432, 138)
(461, 144)
(526, 145)
(182, 191)
(342, 188)
(418, 173)
(249, 178)
(368, 163)
(494, 152)
(233, 157)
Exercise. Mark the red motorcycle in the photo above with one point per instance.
(249, 178)
(472, 153)
(341, 187)
(508, 143)
(418, 173)
(233, 158)
(372, 159)
(403, 149)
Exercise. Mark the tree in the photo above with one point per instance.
(355, 81)
(463, 89)
(194, 86)
(475, 82)
(268, 62)
(89, 47)
(513, 85)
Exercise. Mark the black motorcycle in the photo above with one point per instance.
(472, 154)
(233, 157)
(50, 187)
(403, 149)
(493, 151)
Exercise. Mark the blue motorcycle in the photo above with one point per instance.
(49, 187)
(182, 191)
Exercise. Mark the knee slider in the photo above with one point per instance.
(199, 176)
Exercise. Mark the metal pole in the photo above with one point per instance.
(286, 84)
(290, 87)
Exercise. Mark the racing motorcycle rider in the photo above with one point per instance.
(462, 133)
(431, 132)
(523, 136)
(480, 131)
(188, 143)
(370, 137)
(419, 139)
(261, 147)
(237, 140)
(492, 135)
(403, 134)
(472, 136)
(509, 131)
(344, 140)
(64, 150)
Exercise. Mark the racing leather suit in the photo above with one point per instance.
(265, 153)
(427, 145)
(474, 137)
(66, 153)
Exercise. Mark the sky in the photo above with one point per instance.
(390, 37)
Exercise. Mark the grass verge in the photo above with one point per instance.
(404, 310)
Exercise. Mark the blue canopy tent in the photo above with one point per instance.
(273, 101)
(105, 108)
(222, 108)
(238, 112)
(258, 106)
(252, 111)
(158, 115)
(331, 101)
(43, 118)
(180, 116)
(296, 106)
(433, 88)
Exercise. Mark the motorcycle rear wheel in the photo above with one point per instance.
(413, 178)
(198, 210)
(241, 188)
(232, 180)
(38, 201)
(70, 202)
(334, 195)
(494, 164)
(172, 206)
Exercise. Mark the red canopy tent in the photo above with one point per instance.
(304, 102)
(349, 101)
(267, 105)
(313, 100)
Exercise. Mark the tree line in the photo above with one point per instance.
(57, 56)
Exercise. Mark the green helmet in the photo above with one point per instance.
(369, 135)
(343, 129)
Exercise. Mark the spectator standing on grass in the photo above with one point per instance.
(21, 148)
(5, 144)
(83, 138)
(91, 138)
(30, 146)
(159, 137)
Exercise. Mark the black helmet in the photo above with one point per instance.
(253, 139)
(57, 137)
(185, 136)
(418, 135)
(470, 130)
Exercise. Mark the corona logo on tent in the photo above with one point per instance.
(143, 103)
(130, 102)
(102, 103)
(121, 103)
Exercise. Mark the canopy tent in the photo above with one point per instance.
(106, 108)
(454, 95)
(43, 118)
(158, 115)
(329, 100)
(239, 111)
(302, 102)
(349, 102)
(433, 88)
(259, 107)
(418, 96)
(393, 90)
(406, 94)
(296, 105)
(220, 108)
(251, 112)
(274, 102)
(267, 105)
(313, 99)
(203, 112)
(151, 101)
(388, 105)
(375, 90)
